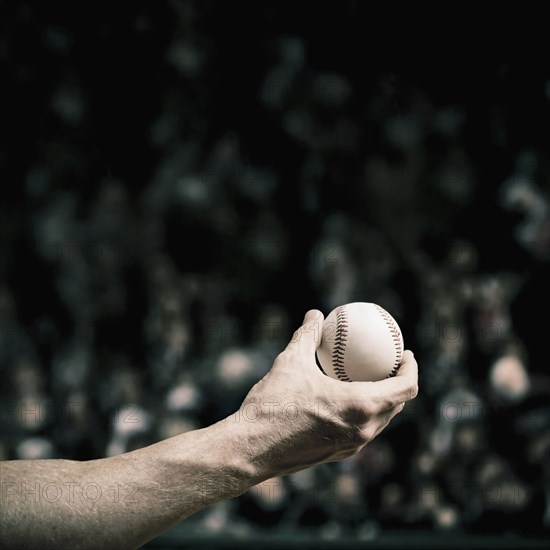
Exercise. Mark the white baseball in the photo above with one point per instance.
(361, 342)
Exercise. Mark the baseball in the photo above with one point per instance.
(361, 343)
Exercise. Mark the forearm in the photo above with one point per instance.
(123, 501)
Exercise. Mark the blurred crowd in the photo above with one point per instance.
(169, 220)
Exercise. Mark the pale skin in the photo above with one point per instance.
(293, 418)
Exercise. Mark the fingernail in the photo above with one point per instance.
(311, 316)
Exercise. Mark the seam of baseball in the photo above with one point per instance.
(340, 342)
(396, 337)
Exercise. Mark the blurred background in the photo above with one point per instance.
(181, 181)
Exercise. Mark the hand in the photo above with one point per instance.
(296, 416)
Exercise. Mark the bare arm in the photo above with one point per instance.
(293, 418)
(122, 501)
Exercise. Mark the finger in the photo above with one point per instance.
(388, 393)
(404, 385)
(308, 337)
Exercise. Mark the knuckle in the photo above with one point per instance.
(281, 359)
(369, 433)
(413, 391)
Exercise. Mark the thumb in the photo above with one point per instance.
(308, 336)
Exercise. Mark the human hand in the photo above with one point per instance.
(296, 417)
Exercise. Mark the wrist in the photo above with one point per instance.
(216, 460)
(233, 451)
(252, 452)
(260, 441)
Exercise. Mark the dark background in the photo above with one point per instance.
(181, 181)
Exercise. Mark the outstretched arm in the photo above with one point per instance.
(293, 418)
(122, 501)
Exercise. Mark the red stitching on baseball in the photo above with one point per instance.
(396, 337)
(340, 344)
